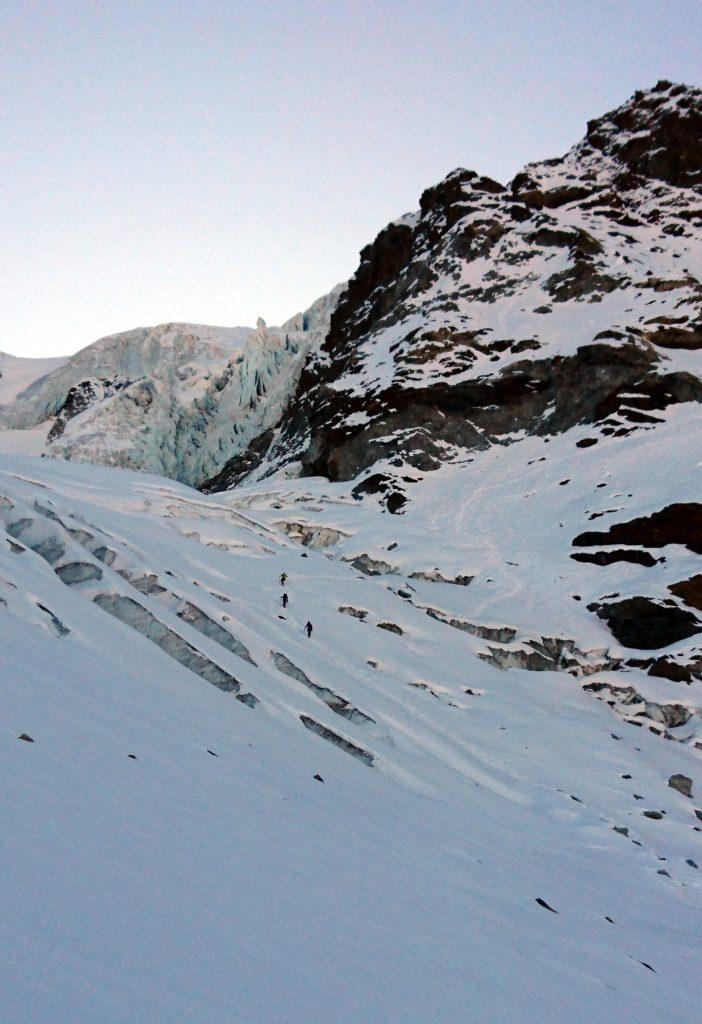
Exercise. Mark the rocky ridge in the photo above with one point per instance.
(570, 296)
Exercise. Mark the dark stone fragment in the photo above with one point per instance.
(689, 590)
(682, 783)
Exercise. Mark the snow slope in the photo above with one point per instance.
(169, 855)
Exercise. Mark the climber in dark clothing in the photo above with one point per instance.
(284, 599)
(308, 629)
(283, 577)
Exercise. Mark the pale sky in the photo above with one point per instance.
(216, 161)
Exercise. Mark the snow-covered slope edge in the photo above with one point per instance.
(383, 826)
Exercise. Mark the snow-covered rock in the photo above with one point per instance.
(558, 317)
(571, 296)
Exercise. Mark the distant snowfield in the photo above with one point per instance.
(17, 373)
(168, 855)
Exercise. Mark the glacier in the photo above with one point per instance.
(177, 399)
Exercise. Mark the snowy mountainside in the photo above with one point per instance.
(176, 399)
(572, 295)
(209, 817)
(540, 553)
(550, 326)
(475, 791)
(560, 318)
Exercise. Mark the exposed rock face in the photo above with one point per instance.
(80, 398)
(560, 299)
(656, 134)
(690, 591)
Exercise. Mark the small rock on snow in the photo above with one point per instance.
(682, 783)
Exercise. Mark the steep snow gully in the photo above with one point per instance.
(474, 792)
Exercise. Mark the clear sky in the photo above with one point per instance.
(216, 161)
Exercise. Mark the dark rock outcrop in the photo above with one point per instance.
(81, 397)
(653, 135)
(680, 523)
(646, 624)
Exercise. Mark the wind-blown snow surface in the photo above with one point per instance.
(210, 877)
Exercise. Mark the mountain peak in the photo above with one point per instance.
(657, 133)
